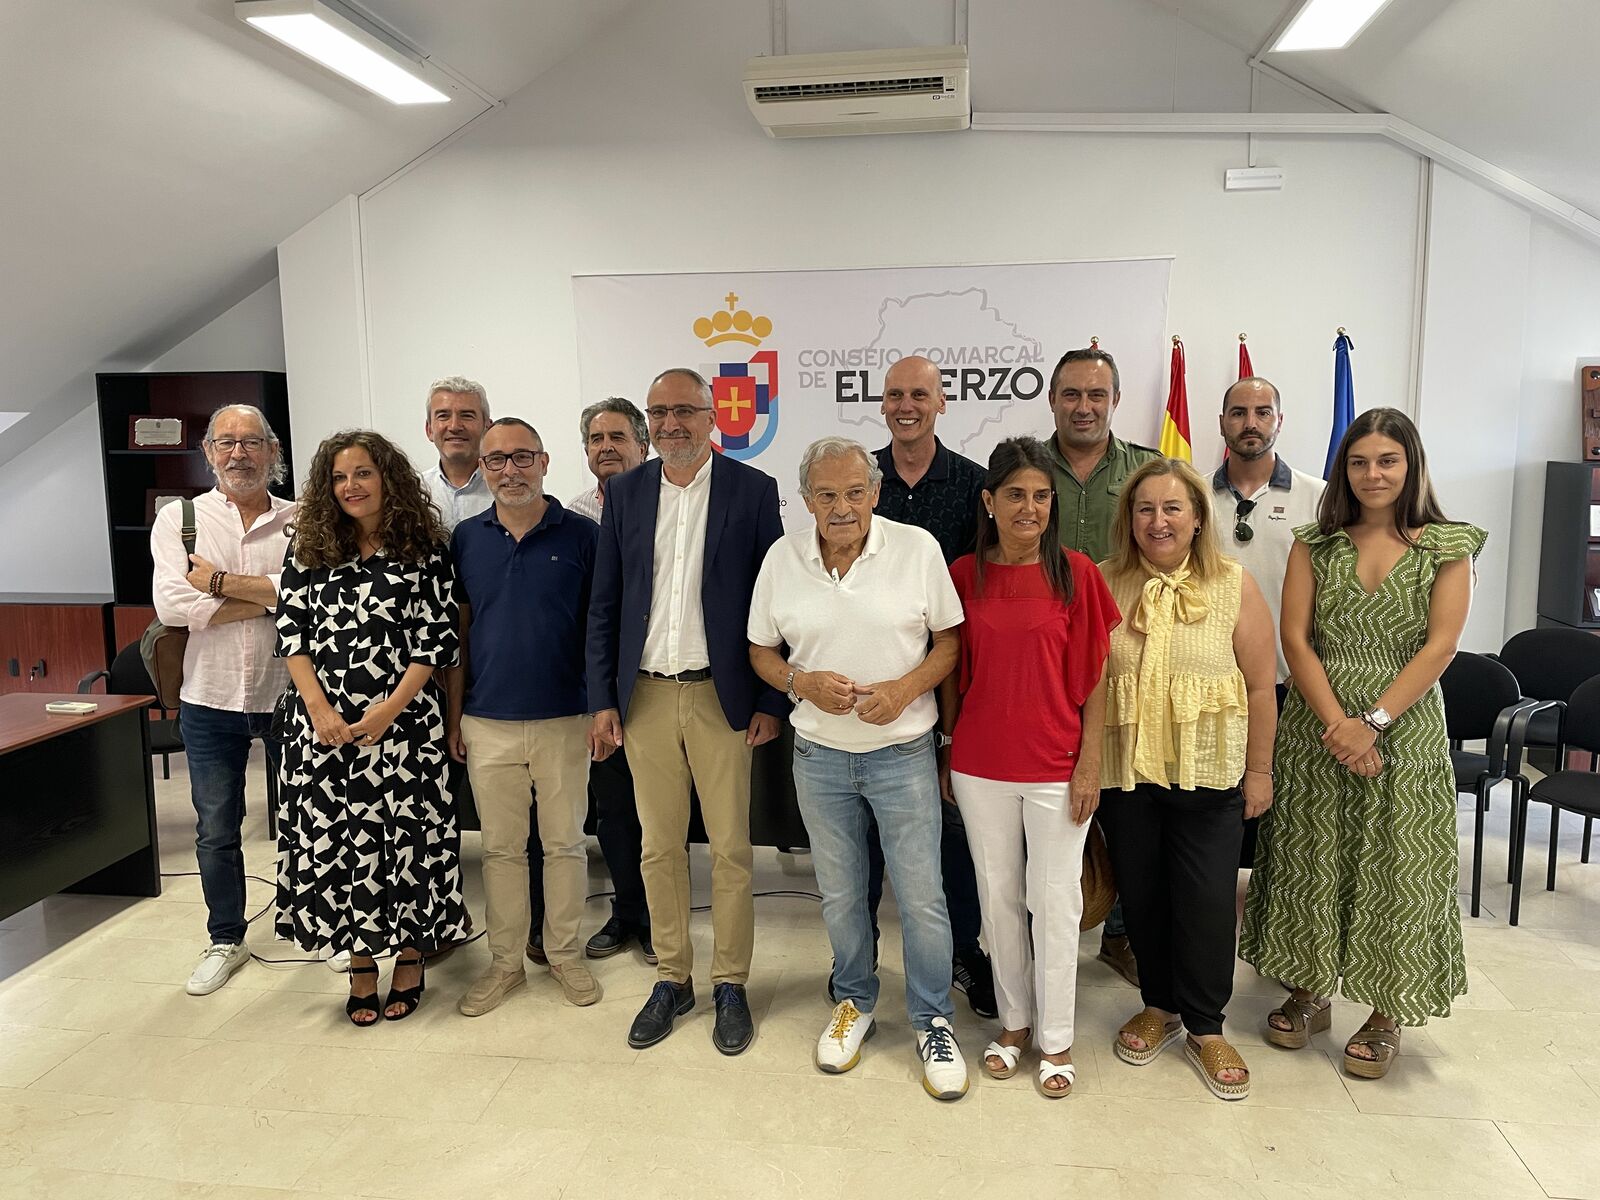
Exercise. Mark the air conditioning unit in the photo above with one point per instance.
(860, 91)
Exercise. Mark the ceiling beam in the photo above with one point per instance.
(1403, 133)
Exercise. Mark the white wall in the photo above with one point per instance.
(638, 155)
(1472, 363)
(248, 337)
(53, 539)
(1562, 330)
(324, 325)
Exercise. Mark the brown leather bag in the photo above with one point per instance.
(1099, 885)
(162, 646)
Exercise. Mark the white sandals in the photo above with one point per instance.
(1048, 1071)
(1010, 1055)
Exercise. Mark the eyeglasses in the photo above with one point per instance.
(1241, 531)
(522, 458)
(680, 412)
(853, 497)
(226, 444)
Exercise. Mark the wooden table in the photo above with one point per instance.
(77, 800)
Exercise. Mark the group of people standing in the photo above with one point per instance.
(976, 662)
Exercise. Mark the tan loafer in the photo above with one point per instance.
(487, 994)
(577, 984)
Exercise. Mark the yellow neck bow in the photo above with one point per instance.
(1170, 598)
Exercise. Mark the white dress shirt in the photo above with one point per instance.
(675, 639)
(591, 503)
(456, 504)
(228, 666)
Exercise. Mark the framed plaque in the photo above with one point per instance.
(157, 433)
(155, 499)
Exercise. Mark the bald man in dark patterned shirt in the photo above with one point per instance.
(928, 485)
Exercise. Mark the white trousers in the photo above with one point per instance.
(1029, 859)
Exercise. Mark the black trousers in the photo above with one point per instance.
(616, 819)
(960, 879)
(1176, 858)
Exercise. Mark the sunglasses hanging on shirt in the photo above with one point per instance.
(1241, 531)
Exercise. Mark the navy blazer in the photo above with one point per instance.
(742, 521)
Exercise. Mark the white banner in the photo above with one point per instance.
(797, 355)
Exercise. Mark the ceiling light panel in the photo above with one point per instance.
(329, 37)
(1328, 24)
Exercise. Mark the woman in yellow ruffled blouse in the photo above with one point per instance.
(1190, 717)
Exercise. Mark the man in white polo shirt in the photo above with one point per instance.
(1259, 498)
(868, 613)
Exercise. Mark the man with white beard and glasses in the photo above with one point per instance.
(224, 594)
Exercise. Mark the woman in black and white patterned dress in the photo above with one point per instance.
(368, 851)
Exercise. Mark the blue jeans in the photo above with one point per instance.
(216, 743)
(839, 793)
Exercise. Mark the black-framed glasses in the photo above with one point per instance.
(522, 458)
(252, 445)
(680, 412)
(1241, 531)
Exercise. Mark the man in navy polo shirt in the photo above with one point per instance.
(519, 715)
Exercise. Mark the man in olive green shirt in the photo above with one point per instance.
(1090, 469)
(1090, 464)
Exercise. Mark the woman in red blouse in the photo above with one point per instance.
(1027, 706)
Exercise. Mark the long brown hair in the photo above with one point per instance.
(1009, 457)
(410, 529)
(1417, 506)
(1205, 552)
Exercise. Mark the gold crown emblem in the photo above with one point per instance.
(732, 325)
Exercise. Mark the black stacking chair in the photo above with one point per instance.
(1481, 698)
(1550, 664)
(1574, 791)
(127, 677)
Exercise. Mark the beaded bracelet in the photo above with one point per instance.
(216, 582)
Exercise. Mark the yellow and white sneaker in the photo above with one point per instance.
(839, 1047)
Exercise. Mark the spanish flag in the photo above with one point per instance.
(1245, 369)
(1175, 425)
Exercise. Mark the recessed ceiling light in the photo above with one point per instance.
(327, 35)
(1328, 24)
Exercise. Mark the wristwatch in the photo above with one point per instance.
(788, 686)
(941, 740)
(1377, 719)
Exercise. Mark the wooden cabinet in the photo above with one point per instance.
(136, 477)
(49, 647)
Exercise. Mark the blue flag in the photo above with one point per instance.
(1344, 398)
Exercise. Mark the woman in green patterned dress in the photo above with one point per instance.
(1355, 877)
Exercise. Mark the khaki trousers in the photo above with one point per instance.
(505, 758)
(675, 733)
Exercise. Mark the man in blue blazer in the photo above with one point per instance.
(682, 539)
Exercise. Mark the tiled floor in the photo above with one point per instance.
(114, 1083)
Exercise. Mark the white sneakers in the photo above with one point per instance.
(944, 1071)
(839, 1047)
(217, 962)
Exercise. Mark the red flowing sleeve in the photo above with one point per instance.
(1090, 619)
